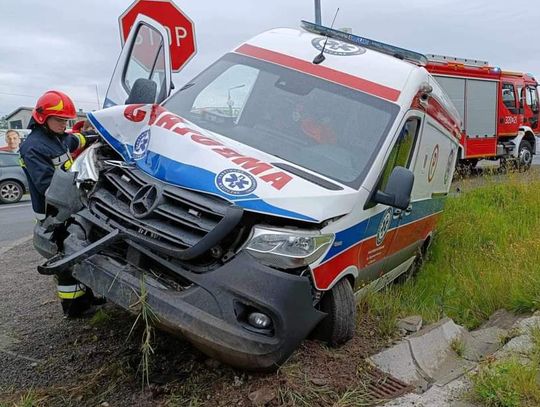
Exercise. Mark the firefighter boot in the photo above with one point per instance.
(76, 298)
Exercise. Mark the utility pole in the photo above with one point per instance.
(97, 96)
(318, 12)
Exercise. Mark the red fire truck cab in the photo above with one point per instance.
(500, 109)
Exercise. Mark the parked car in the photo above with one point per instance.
(258, 201)
(13, 183)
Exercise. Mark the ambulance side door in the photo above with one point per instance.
(398, 245)
(145, 56)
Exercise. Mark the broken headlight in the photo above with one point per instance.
(287, 249)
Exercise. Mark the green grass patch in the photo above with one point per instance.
(485, 257)
(507, 383)
(100, 318)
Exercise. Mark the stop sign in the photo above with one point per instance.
(179, 26)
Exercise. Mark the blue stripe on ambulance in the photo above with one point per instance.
(369, 227)
(191, 177)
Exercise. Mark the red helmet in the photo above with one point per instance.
(53, 103)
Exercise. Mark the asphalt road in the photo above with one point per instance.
(16, 221)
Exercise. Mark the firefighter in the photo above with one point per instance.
(49, 147)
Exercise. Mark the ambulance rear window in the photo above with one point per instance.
(330, 129)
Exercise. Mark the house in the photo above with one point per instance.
(20, 117)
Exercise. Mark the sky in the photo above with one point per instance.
(73, 45)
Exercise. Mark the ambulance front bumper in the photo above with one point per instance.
(212, 312)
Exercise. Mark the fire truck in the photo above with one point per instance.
(499, 109)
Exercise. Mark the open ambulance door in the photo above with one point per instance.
(145, 58)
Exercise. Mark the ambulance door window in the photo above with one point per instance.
(509, 97)
(402, 152)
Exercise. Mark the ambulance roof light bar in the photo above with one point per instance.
(464, 61)
(401, 53)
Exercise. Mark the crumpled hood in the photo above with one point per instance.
(173, 150)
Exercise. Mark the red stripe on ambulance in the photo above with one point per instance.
(361, 254)
(320, 71)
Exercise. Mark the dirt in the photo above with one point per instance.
(52, 361)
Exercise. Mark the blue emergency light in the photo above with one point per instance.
(401, 53)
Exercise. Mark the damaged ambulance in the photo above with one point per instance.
(257, 201)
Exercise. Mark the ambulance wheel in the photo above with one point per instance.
(525, 155)
(10, 192)
(340, 306)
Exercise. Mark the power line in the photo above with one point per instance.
(35, 97)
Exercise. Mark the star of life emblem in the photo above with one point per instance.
(236, 182)
(141, 145)
(336, 47)
(384, 226)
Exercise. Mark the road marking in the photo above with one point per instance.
(14, 206)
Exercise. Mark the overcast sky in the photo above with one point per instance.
(73, 45)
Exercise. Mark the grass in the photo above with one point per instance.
(148, 319)
(458, 346)
(485, 257)
(507, 383)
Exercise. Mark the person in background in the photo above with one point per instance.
(13, 141)
(47, 148)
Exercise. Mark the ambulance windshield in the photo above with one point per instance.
(321, 126)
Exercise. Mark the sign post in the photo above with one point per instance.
(180, 27)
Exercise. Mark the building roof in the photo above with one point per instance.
(8, 116)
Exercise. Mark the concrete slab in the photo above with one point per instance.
(412, 323)
(398, 361)
(501, 319)
(430, 346)
(525, 325)
(520, 345)
(450, 395)
(482, 342)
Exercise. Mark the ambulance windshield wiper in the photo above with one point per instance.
(320, 58)
(186, 86)
(309, 177)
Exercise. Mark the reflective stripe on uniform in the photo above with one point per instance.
(81, 138)
(21, 162)
(70, 292)
(61, 159)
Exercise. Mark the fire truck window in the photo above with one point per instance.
(532, 98)
(402, 151)
(509, 97)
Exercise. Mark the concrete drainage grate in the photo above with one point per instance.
(381, 387)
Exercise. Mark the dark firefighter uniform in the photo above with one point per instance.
(41, 153)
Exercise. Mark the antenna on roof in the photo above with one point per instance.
(319, 58)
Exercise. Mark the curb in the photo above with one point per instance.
(15, 244)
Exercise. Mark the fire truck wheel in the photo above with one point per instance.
(525, 155)
(340, 305)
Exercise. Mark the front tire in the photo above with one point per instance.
(340, 306)
(525, 155)
(10, 192)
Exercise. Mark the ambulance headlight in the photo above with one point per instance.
(287, 249)
(85, 164)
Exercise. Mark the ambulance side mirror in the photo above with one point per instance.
(143, 91)
(398, 189)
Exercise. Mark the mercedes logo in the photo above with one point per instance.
(146, 199)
